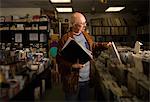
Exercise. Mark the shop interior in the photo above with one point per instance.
(29, 35)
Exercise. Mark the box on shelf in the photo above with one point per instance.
(29, 19)
(28, 28)
(2, 18)
(20, 27)
(42, 27)
(43, 18)
(8, 18)
(36, 18)
(19, 20)
(5, 27)
(34, 26)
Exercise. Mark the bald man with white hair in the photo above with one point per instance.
(76, 76)
(78, 22)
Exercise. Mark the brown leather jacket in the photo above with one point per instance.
(70, 76)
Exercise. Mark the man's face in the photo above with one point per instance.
(79, 25)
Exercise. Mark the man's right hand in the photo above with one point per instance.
(77, 65)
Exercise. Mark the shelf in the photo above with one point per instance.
(108, 26)
(23, 31)
(111, 38)
(108, 21)
(104, 29)
(143, 29)
(18, 33)
(33, 22)
(143, 34)
(109, 35)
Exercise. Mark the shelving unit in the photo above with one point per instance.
(109, 29)
(26, 33)
(143, 33)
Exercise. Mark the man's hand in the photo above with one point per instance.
(77, 65)
(109, 44)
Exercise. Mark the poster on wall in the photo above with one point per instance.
(18, 37)
(33, 36)
(43, 37)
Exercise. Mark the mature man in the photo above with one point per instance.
(76, 76)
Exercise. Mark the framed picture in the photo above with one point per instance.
(43, 37)
(33, 37)
(18, 37)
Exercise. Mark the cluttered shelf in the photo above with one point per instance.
(24, 78)
(34, 87)
(16, 30)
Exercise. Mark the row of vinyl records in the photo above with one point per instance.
(108, 22)
(143, 29)
(110, 38)
(109, 30)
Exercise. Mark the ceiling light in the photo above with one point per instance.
(69, 9)
(113, 9)
(60, 1)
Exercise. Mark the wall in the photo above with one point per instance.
(19, 11)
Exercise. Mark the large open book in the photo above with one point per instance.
(73, 51)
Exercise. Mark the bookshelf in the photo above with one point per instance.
(109, 29)
(143, 35)
(25, 29)
(25, 33)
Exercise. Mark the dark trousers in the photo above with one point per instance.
(82, 93)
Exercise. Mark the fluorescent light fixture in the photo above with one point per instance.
(114, 9)
(60, 1)
(64, 9)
